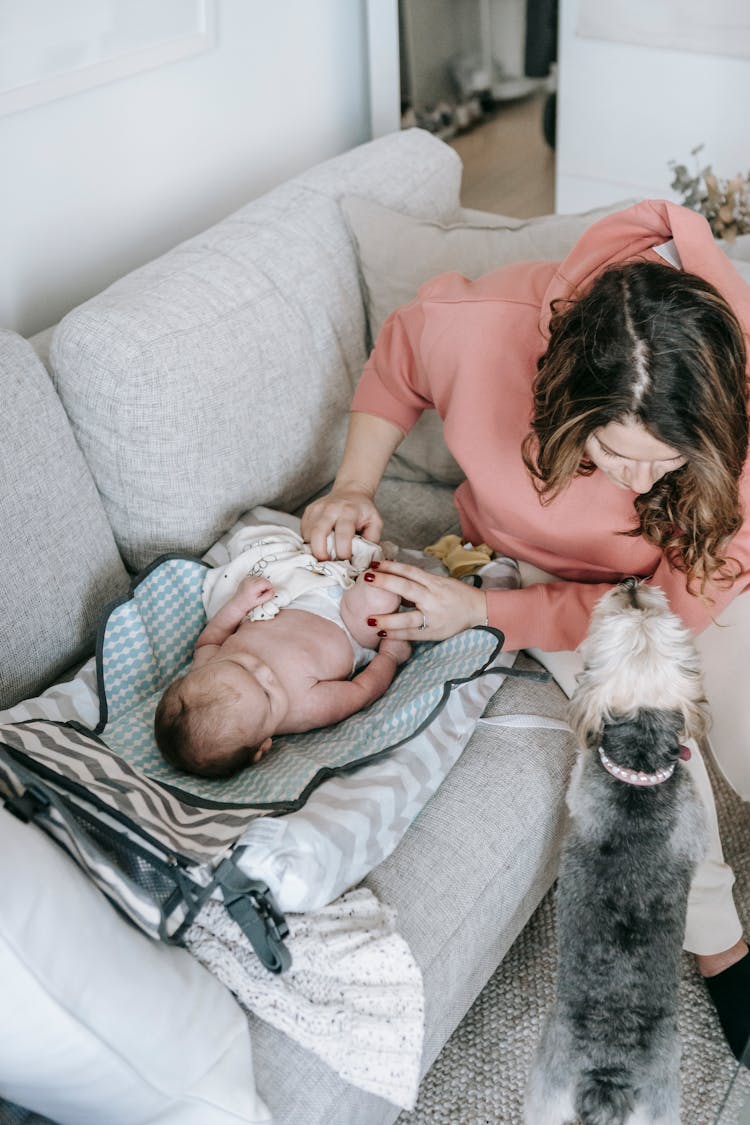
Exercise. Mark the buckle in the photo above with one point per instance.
(252, 905)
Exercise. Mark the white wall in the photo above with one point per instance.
(625, 111)
(383, 64)
(99, 182)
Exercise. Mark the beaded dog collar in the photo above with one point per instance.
(635, 777)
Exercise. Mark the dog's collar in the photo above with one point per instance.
(635, 777)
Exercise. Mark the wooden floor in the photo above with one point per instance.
(508, 166)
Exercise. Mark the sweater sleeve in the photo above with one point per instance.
(554, 616)
(395, 382)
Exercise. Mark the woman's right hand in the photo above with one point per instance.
(349, 506)
(345, 512)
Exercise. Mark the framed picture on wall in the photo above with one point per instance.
(50, 49)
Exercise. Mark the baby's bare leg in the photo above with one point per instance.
(363, 601)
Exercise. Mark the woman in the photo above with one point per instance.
(598, 408)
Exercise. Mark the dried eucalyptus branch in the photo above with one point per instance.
(725, 203)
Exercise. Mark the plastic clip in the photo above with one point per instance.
(251, 904)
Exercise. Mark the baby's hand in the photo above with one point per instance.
(255, 591)
(399, 650)
(251, 591)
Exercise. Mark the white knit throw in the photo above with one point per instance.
(353, 994)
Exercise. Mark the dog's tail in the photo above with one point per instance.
(604, 1096)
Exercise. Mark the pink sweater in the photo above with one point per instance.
(469, 349)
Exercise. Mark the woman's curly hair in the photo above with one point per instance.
(661, 347)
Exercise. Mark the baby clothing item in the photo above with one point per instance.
(281, 556)
(459, 558)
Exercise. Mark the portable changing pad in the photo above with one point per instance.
(147, 639)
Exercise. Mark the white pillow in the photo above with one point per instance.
(100, 1024)
(398, 253)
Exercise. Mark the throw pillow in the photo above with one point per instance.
(398, 253)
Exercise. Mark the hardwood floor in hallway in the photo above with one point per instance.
(508, 166)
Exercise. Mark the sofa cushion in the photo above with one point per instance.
(399, 252)
(219, 376)
(59, 564)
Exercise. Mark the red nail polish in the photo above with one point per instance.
(372, 620)
(369, 577)
(382, 633)
(375, 565)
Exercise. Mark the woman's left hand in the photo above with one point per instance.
(442, 606)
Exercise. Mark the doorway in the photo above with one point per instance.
(481, 75)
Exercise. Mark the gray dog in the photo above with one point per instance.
(610, 1051)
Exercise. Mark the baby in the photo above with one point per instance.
(273, 662)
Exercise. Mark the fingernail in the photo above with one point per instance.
(372, 620)
(369, 577)
(382, 633)
(374, 565)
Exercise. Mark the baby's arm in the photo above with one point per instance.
(333, 700)
(250, 592)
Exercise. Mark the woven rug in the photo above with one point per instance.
(480, 1075)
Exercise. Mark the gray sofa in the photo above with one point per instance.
(211, 380)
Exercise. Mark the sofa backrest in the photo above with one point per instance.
(220, 375)
(59, 565)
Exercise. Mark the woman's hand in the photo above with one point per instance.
(442, 606)
(349, 506)
(344, 511)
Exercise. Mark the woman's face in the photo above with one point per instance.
(629, 456)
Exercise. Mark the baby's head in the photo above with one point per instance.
(206, 723)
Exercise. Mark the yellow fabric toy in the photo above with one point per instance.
(458, 557)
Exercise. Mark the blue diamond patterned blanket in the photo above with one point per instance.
(147, 639)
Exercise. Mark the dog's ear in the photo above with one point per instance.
(695, 714)
(585, 714)
(689, 693)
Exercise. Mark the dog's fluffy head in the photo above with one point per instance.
(637, 654)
